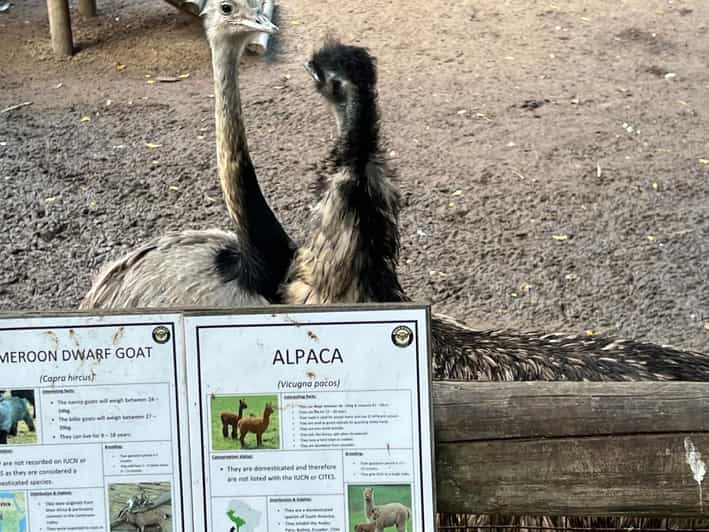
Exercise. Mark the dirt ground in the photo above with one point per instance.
(552, 155)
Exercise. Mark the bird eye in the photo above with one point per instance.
(226, 9)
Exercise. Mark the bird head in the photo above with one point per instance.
(342, 71)
(235, 18)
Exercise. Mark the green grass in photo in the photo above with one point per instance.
(383, 494)
(256, 404)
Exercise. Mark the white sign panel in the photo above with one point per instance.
(311, 421)
(91, 422)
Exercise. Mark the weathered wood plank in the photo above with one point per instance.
(635, 475)
(570, 448)
(501, 410)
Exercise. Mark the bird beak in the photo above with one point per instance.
(309, 70)
(260, 23)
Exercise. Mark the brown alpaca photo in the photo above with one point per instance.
(257, 425)
(230, 419)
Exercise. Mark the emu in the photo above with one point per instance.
(229, 419)
(211, 267)
(353, 255)
(353, 251)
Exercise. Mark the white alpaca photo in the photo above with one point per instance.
(385, 515)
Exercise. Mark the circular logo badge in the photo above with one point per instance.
(161, 334)
(402, 336)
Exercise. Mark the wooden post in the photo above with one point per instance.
(87, 8)
(60, 27)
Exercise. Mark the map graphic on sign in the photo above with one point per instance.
(13, 517)
(242, 516)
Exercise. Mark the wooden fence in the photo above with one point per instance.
(572, 448)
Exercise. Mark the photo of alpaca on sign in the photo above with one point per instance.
(17, 415)
(231, 419)
(374, 508)
(253, 420)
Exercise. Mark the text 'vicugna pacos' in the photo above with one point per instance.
(65, 355)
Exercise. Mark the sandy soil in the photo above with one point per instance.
(552, 154)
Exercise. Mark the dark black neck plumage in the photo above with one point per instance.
(369, 197)
(266, 249)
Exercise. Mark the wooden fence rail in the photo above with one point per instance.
(572, 448)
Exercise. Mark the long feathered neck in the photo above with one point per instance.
(264, 241)
(353, 253)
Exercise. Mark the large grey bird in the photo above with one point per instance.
(211, 267)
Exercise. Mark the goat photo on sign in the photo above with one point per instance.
(17, 417)
(140, 506)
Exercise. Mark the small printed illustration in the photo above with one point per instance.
(17, 417)
(377, 507)
(242, 517)
(13, 513)
(140, 506)
(244, 422)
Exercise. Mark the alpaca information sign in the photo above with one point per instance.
(311, 421)
(299, 420)
(92, 425)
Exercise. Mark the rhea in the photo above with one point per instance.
(212, 267)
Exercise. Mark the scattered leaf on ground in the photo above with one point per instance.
(703, 161)
(86, 119)
(119, 66)
(655, 186)
(152, 145)
(174, 187)
(591, 332)
(560, 237)
(651, 238)
(457, 193)
(184, 76)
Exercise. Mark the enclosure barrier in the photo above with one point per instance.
(572, 448)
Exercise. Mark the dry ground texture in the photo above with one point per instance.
(553, 154)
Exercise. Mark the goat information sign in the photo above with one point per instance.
(304, 420)
(311, 421)
(89, 423)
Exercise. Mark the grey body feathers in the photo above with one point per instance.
(177, 269)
